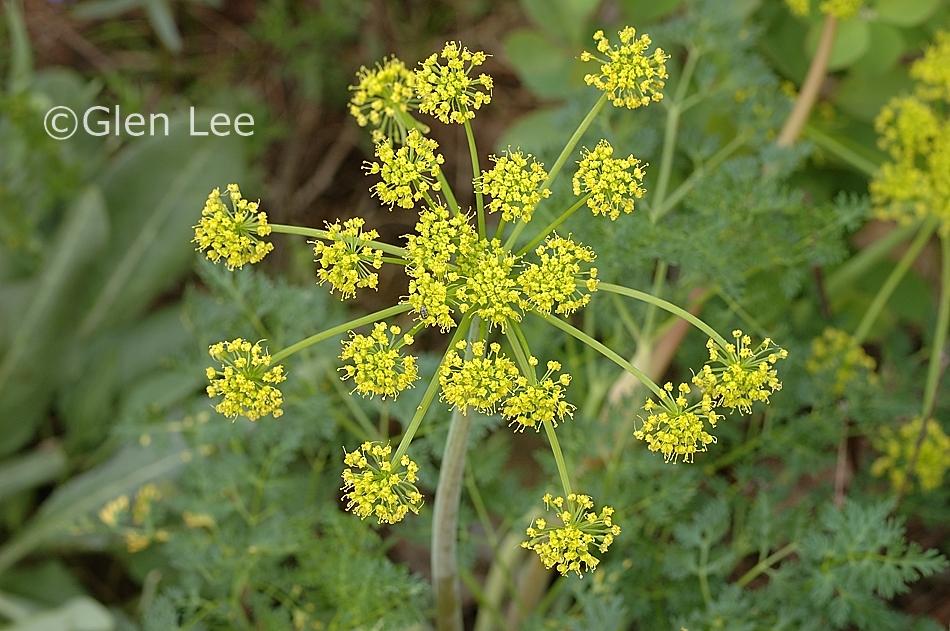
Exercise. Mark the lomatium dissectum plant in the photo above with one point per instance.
(476, 281)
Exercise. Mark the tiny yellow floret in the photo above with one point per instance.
(513, 185)
(245, 380)
(674, 427)
(231, 233)
(554, 283)
(481, 381)
(383, 98)
(378, 366)
(345, 261)
(736, 376)
(629, 75)
(613, 183)
(375, 485)
(408, 173)
(447, 92)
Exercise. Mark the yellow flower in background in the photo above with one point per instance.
(629, 75)
(841, 9)
(246, 380)
(897, 448)
(447, 91)
(836, 355)
(374, 485)
(613, 183)
(568, 546)
(232, 233)
(932, 72)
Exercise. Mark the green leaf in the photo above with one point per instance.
(41, 466)
(162, 20)
(564, 19)
(640, 11)
(905, 12)
(543, 66)
(155, 192)
(90, 491)
(851, 42)
(77, 614)
(863, 97)
(883, 53)
(534, 132)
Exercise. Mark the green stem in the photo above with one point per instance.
(558, 457)
(605, 351)
(665, 305)
(561, 159)
(323, 234)
(445, 572)
(553, 225)
(766, 563)
(884, 293)
(861, 262)
(343, 328)
(429, 394)
(476, 172)
(447, 191)
(670, 133)
(847, 154)
(940, 333)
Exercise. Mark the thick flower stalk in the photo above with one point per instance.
(246, 380)
(533, 404)
(481, 381)
(629, 75)
(513, 185)
(897, 448)
(675, 428)
(552, 284)
(568, 546)
(613, 183)
(378, 367)
(736, 375)
(375, 485)
(447, 91)
(383, 97)
(345, 262)
(408, 173)
(232, 233)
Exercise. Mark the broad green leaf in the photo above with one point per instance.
(161, 18)
(24, 472)
(905, 12)
(863, 97)
(544, 67)
(533, 132)
(77, 614)
(41, 585)
(155, 192)
(783, 46)
(564, 19)
(852, 40)
(883, 53)
(640, 11)
(88, 492)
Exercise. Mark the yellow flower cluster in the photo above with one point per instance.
(841, 9)
(535, 403)
(915, 132)
(138, 532)
(513, 185)
(742, 375)
(630, 77)
(245, 382)
(479, 382)
(552, 284)
(801, 8)
(488, 285)
(438, 239)
(374, 485)
(378, 367)
(408, 173)
(568, 546)
(897, 447)
(345, 263)
(610, 181)
(447, 91)
(836, 355)
(933, 70)
(232, 233)
(382, 96)
(675, 428)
